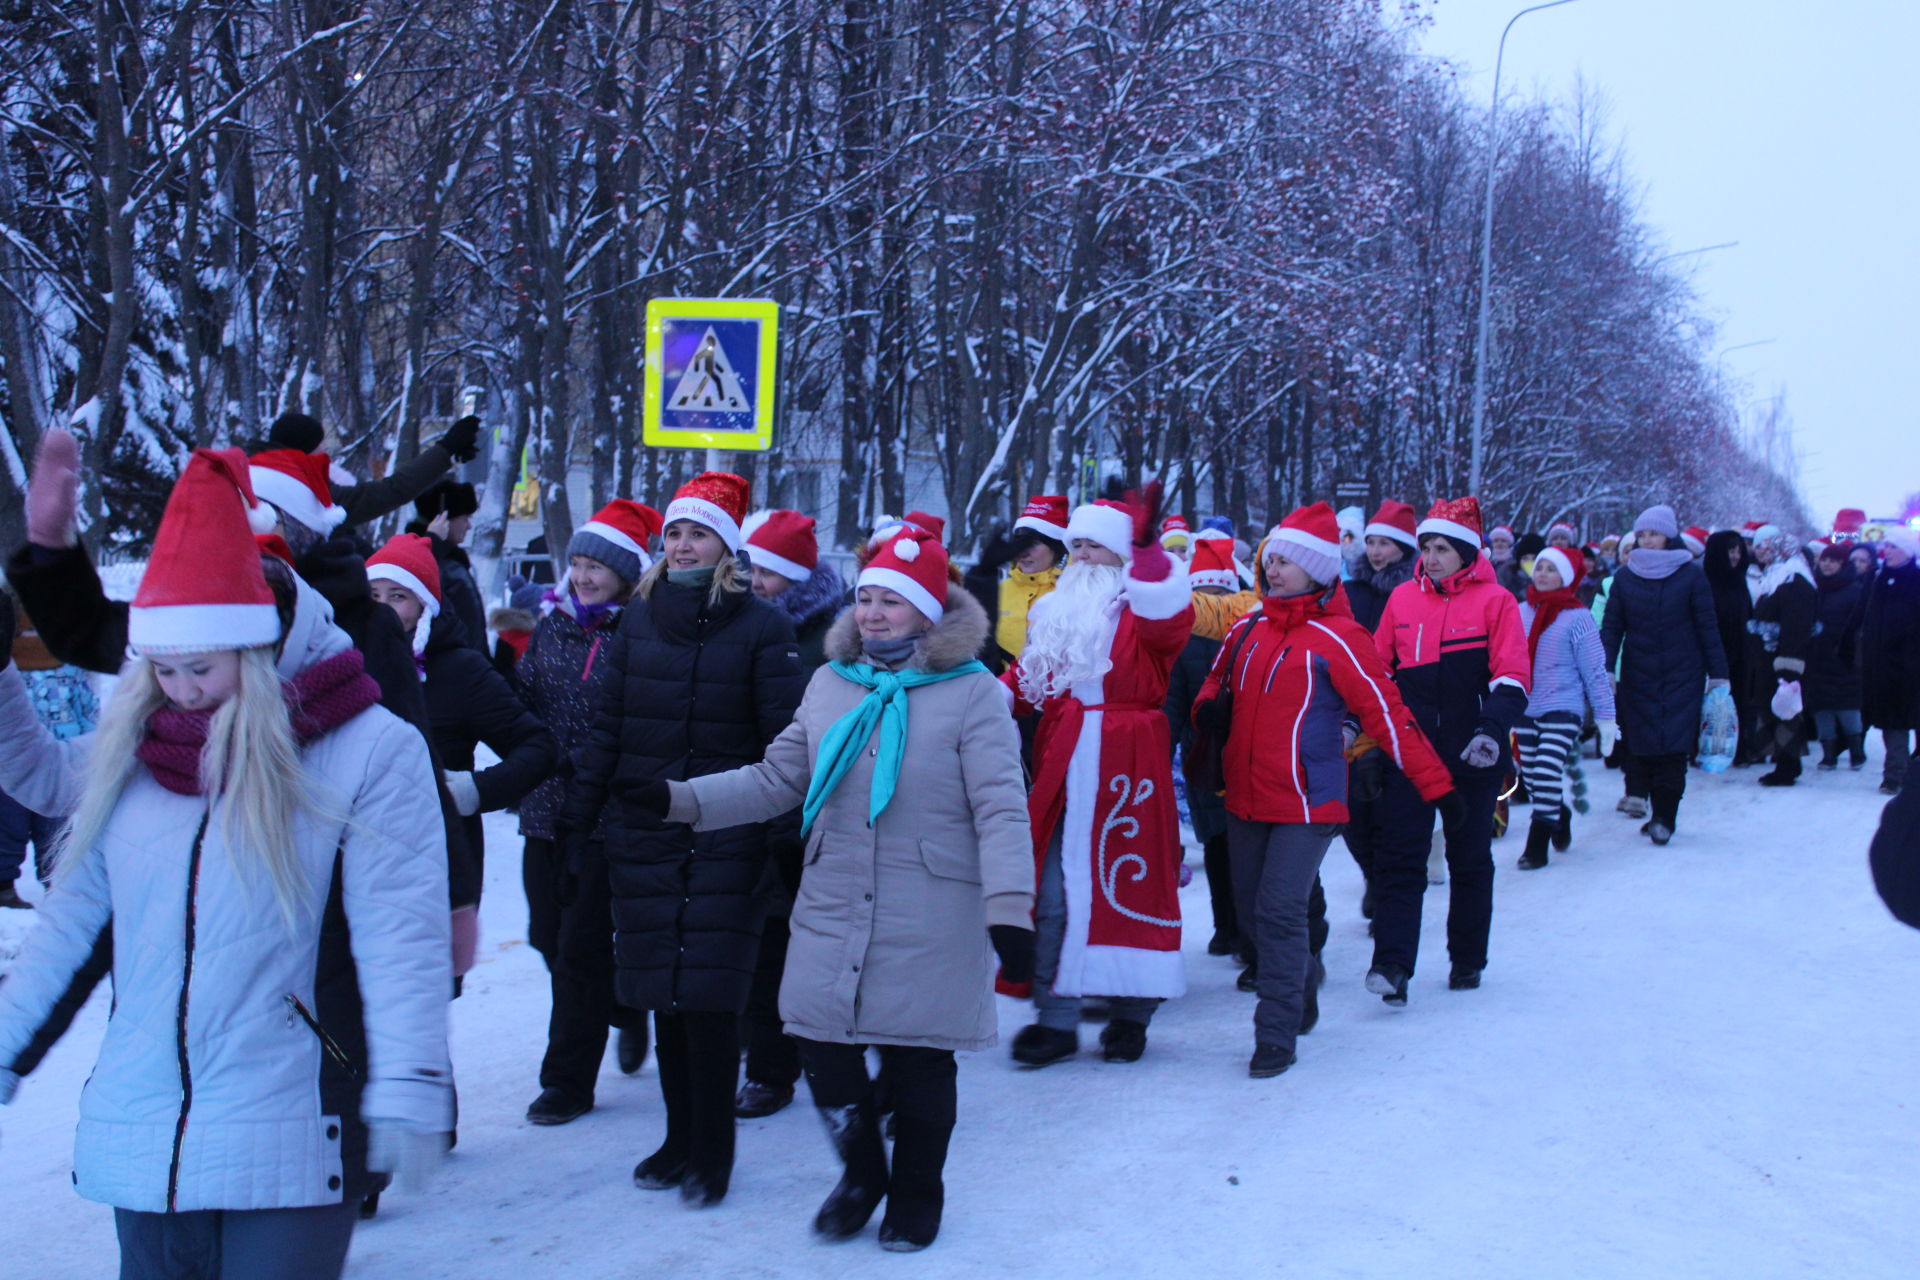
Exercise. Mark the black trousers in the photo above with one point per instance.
(923, 1083)
(1400, 871)
(772, 1055)
(1665, 780)
(1219, 867)
(575, 934)
(699, 1057)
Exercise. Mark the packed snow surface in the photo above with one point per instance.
(1697, 1061)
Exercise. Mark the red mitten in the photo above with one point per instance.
(1018, 990)
(1151, 563)
(53, 491)
(1146, 504)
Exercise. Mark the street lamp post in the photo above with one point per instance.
(1486, 252)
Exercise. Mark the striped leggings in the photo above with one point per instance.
(1547, 746)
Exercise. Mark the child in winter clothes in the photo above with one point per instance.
(1305, 668)
(1569, 674)
(570, 920)
(247, 821)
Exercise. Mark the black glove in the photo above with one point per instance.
(1453, 811)
(1014, 946)
(648, 797)
(569, 862)
(7, 624)
(1367, 777)
(998, 553)
(462, 441)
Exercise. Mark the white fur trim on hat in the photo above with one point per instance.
(1451, 528)
(1561, 561)
(1395, 532)
(601, 529)
(1109, 527)
(904, 587)
(1057, 532)
(387, 572)
(295, 499)
(701, 512)
(779, 564)
(201, 628)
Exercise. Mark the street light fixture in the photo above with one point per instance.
(1486, 252)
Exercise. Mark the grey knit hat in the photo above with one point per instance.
(1659, 519)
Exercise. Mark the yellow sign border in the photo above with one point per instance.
(760, 439)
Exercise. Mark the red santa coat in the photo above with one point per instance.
(1103, 776)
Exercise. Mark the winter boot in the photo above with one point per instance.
(1124, 1040)
(1310, 998)
(1856, 751)
(630, 1049)
(1463, 979)
(1563, 832)
(1038, 1046)
(710, 1149)
(855, 1134)
(918, 1193)
(1632, 806)
(1829, 755)
(1222, 942)
(664, 1169)
(1535, 856)
(1249, 979)
(557, 1106)
(1786, 771)
(757, 1101)
(1270, 1060)
(1389, 982)
(10, 897)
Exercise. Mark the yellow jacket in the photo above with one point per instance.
(1214, 616)
(1018, 591)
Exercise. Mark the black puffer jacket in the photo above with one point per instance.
(562, 679)
(693, 688)
(1732, 603)
(459, 593)
(1368, 589)
(1661, 636)
(1890, 649)
(1832, 681)
(469, 702)
(811, 606)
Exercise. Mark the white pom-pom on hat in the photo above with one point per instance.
(262, 518)
(907, 549)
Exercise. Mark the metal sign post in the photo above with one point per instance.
(711, 370)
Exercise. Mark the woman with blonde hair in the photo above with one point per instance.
(258, 835)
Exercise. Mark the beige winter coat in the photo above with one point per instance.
(890, 925)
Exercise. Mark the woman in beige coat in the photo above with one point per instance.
(919, 866)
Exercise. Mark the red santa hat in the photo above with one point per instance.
(1561, 526)
(1500, 528)
(1213, 565)
(1696, 539)
(1817, 545)
(1046, 515)
(407, 561)
(618, 537)
(1175, 529)
(1310, 537)
(716, 499)
(204, 589)
(913, 565)
(298, 484)
(1572, 564)
(1104, 523)
(1456, 518)
(886, 526)
(1752, 527)
(785, 542)
(1394, 520)
(1850, 520)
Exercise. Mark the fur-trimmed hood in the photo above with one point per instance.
(823, 591)
(957, 637)
(512, 620)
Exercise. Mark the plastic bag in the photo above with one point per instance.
(1719, 731)
(1786, 700)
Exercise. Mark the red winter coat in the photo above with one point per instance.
(1303, 668)
(1459, 654)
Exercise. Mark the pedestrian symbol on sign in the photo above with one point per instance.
(710, 382)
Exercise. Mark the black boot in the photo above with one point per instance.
(1038, 1046)
(756, 1101)
(1830, 755)
(557, 1106)
(918, 1193)
(1856, 751)
(630, 1049)
(1539, 834)
(1124, 1040)
(10, 897)
(1389, 982)
(1563, 832)
(855, 1134)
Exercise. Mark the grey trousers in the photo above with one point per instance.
(1898, 742)
(1062, 1013)
(1274, 866)
(236, 1244)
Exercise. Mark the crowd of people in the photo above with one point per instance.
(771, 814)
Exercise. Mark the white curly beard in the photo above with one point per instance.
(1069, 636)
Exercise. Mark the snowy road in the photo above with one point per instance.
(1691, 1062)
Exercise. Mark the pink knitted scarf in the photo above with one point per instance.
(320, 699)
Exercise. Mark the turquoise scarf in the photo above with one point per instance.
(885, 705)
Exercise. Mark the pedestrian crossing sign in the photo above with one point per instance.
(711, 365)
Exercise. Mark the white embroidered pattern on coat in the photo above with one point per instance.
(1108, 874)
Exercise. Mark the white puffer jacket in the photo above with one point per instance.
(208, 1093)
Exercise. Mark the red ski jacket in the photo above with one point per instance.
(1459, 654)
(1305, 666)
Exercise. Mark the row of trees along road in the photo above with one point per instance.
(1232, 242)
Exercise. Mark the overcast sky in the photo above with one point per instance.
(1794, 129)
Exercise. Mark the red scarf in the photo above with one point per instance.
(1546, 607)
(319, 700)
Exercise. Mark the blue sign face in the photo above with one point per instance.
(710, 373)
